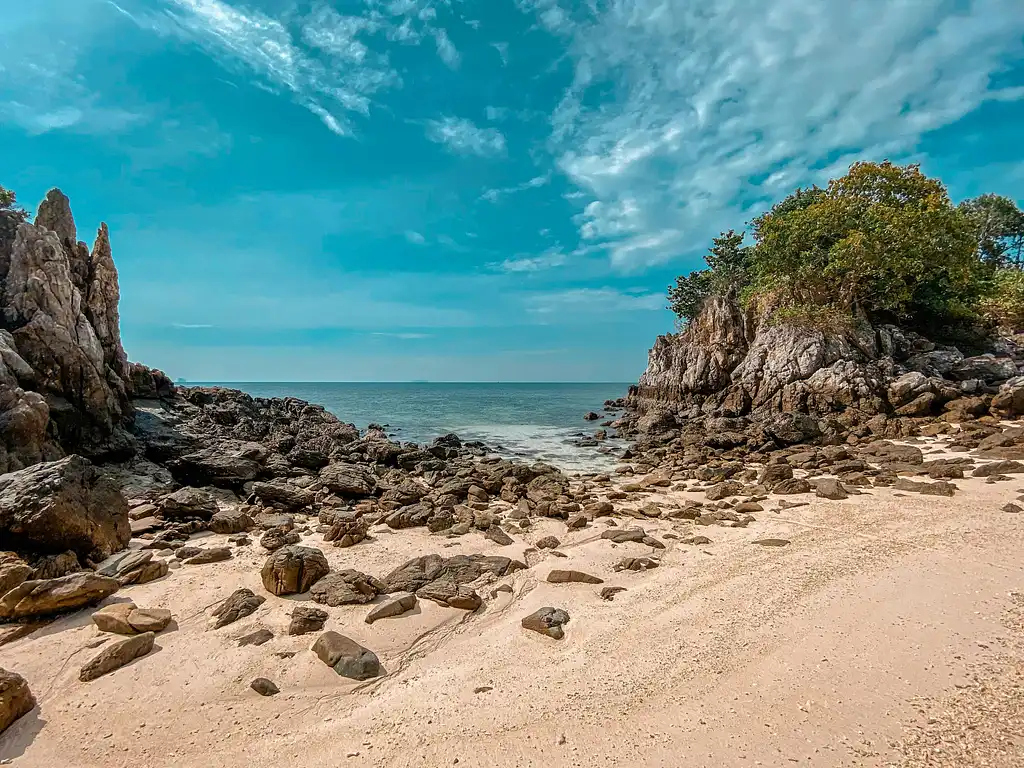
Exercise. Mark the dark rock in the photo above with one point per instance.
(347, 657)
(188, 502)
(795, 485)
(498, 536)
(939, 488)
(772, 542)
(293, 570)
(591, 416)
(829, 488)
(216, 465)
(283, 494)
(621, 536)
(394, 605)
(16, 700)
(231, 521)
(241, 603)
(55, 566)
(567, 577)
(548, 542)
(276, 538)
(636, 564)
(209, 555)
(306, 619)
(67, 593)
(547, 621)
(998, 468)
(63, 505)
(115, 655)
(348, 587)
(609, 593)
(264, 687)
(259, 637)
(348, 480)
(347, 531)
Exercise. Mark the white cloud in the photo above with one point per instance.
(404, 336)
(596, 300)
(553, 257)
(415, 237)
(446, 49)
(191, 326)
(462, 136)
(502, 49)
(717, 115)
(493, 195)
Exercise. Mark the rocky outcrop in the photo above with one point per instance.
(63, 505)
(51, 596)
(16, 700)
(731, 364)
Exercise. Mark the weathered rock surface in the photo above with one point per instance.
(16, 700)
(264, 687)
(394, 605)
(241, 603)
(115, 655)
(306, 619)
(293, 570)
(63, 505)
(348, 587)
(50, 596)
(547, 621)
(569, 577)
(448, 581)
(347, 657)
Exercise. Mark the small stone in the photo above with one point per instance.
(548, 542)
(609, 593)
(241, 603)
(1014, 508)
(264, 687)
(498, 536)
(211, 555)
(306, 619)
(395, 605)
(567, 577)
(259, 637)
(772, 542)
(116, 655)
(547, 621)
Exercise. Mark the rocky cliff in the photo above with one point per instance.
(733, 363)
(63, 370)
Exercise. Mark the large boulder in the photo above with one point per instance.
(16, 700)
(348, 480)
(115, 655)
(293, 570)
(50, 596)
(348, 587)
(449, 581)
(347, 657)
(63, 505)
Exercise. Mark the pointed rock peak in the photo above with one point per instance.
(101, 246)
(55, 214)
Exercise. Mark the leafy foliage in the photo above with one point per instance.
(882, 242)
(10, 216)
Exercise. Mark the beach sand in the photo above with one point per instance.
(889, 632)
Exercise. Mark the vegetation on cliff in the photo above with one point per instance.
(882, 243)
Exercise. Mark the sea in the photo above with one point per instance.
(533, 422)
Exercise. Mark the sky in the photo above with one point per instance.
(478, 190)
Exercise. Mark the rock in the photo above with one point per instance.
(241, 603)
(347, 531)
(348, 480)
(1013, 508)
(348, 587)
(16, 700)
(446, 580)
(264, 687)
(50, 596)
(276, 538)
(293, 570)
(773, 474)
(215, 465)
(63, 505)
(795, 485)
(772, 542)
(609, 593)
(347, 657)
(144, 525)
(209, 555)
(188, 502)
(939, 488)
(696, 540)
(306, 619)
(621, 536)
(115, 655)
(13, 571)
(144, 573)
(829, 488)
(724, 490)
(283, 494)
(547, 621)
(576, 523)
(114, 618)
(998, 468)
(231, 521)
(591, 416)
(548, 542)
(394, 605)
(149, 619)
(498, 536)
(124, 562)
(259, 637)
(566, 577)
(636, 564)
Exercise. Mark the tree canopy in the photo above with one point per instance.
(10, 216)
(882, 242)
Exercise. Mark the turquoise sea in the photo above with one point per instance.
(529, 421)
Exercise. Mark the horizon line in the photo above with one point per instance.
(367, 381)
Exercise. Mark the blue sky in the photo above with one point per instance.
(478, 190)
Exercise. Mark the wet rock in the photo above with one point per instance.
(264, 687)
(259, 637)
(241, 603)
(347, 657)
(567, 577)
(306, 619)
(293, 570)
(548, 542)
(395, 605)
(16, 700)
(63, 505)
(50, 596)
(609, 593)
(348, 587)
(115, 655)
(209, 555)
(547, 621)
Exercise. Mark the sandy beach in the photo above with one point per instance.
(887, 632)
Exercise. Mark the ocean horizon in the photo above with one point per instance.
(536, 421)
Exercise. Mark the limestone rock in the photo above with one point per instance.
(67, 593)
(63, 505)
(347, 657)
(293, 570)
(16, 700)
(547, 621)
(116, 655)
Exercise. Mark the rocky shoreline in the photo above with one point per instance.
(124, 493)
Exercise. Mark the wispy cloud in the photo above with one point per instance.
(415, 237)
(462, 136)
(446, 49)
(493, 195)
(404, 336)
(553, 257)
(191, 326)
(593, 300)
(717, 117)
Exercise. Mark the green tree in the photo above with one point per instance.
(999, 229)
(10, 217)
(728, 269)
